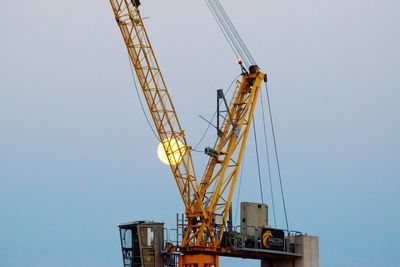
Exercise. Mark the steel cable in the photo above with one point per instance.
(231, 34)
(141, 103)
(268, 157)
(258, 161)
(221, 26)
(234, 31)
(215, 113)
(277, 158)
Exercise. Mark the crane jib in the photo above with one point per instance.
(156, 95)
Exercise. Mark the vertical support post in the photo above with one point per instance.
(198, 260)
(230, 221)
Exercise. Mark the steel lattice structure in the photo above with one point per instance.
(211, 198)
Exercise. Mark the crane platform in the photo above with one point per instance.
(251, 253)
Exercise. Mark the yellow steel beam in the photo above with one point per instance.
(158, 100)
(221, 172)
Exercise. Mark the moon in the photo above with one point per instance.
(175, 150)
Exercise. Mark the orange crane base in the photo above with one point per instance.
(198, 260)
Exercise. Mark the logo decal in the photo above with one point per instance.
(265, 238)
(273, 239)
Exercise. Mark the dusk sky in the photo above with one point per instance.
(77, 157)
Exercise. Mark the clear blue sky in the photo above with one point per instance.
(77, 159)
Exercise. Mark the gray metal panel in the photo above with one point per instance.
(254, 217)
(150, 242)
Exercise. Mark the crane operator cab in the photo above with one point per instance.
(142, 244)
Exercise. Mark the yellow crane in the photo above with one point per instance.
(207, 201)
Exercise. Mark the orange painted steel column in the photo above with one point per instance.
(198, 260)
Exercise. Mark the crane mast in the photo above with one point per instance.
(223, 167)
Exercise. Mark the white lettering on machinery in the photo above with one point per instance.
(276, 241)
